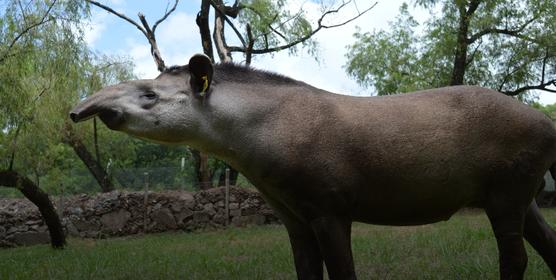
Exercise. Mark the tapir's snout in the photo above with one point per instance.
(96, 105)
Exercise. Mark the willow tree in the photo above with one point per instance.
(505, 45)
(44, 68)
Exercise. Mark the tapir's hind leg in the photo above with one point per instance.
(508, 230)
(506, 206)
(539, 234)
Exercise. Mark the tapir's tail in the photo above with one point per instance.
(539, 234)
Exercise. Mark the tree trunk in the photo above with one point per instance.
(460, 58)
(202, 171)
(94, 167)
(95, 140)
(462, 45)
(40, 199)
(204, 29)
(219, 39)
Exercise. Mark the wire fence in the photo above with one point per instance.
(80, 180)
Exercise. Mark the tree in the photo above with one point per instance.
(25, 82)
(44, 68)
(261, 27)
(504, 45)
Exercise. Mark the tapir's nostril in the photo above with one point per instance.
(73, 117)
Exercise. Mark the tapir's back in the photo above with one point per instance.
(440, 148)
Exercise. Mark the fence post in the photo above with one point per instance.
(227, 197)
(146, 203)
(61, 202)
(109, 172)
(182, 173)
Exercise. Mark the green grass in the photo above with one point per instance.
(462, 248)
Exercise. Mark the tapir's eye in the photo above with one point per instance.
(150, 95)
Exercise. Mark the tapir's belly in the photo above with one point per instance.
(414, 204)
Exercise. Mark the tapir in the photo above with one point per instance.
(323, 160)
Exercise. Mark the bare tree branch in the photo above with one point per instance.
(222, 12)
(472, 56)
(544, 60)
(122, 16)
(511, 32)
(204, 29)
(155, 52)
(320, 26)
(541, 86)
(163, 18)
(145, 29)
(250, 43)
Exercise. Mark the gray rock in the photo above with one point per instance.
(235, 213)
(165, 218)
(219, 219)
(201, 216)
(83, 225)
(11, 229)
(183, 216)
(248, 211)
(115, 221)
(31, 238)
(209, 208)
(72, 230)
(176, 206)
(75, 211)
(33, 222)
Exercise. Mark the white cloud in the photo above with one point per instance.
(94, 28)
(178, 37)
(546, 98)
(140, 54)
(178, 28)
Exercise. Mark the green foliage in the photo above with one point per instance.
(548, 110)
(511, 46)
(46, 68)
(397, 54)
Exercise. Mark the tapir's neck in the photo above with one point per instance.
(229, 116)
(239, 120)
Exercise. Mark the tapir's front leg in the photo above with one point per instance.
(305, 247)
(306, 252)
(334, 238)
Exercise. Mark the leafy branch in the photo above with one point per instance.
(43, 20)
(320, 26)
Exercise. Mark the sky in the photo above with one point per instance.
(178, 39)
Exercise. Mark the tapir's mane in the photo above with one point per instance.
(233, 72)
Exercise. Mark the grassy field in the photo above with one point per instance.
(462, 248)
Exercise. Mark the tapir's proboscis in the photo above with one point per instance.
(324, 160)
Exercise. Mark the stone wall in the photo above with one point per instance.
(125, 213)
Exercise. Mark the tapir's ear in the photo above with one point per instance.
(200, 70)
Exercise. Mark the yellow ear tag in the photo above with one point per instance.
(205, 85)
